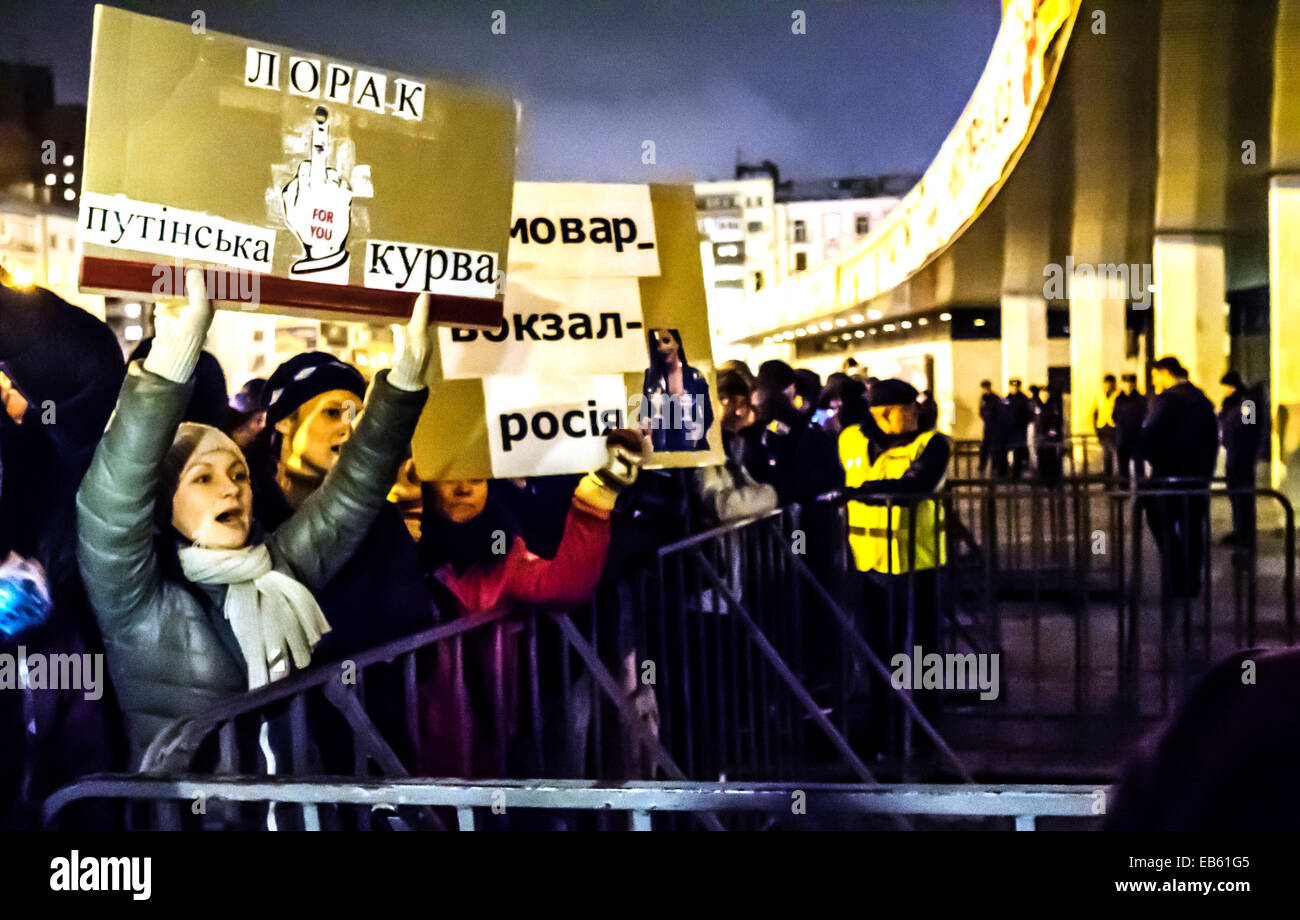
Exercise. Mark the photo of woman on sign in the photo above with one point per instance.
(675, 410)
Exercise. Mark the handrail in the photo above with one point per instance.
(1024, 803)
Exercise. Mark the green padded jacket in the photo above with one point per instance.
(171, 652)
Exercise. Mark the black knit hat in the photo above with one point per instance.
(304, 377)
(207, 405)
(892, 392)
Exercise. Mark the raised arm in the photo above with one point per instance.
(326, 530)
(115, 504)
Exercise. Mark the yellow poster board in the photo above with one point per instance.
(573, 357)
(304, 183)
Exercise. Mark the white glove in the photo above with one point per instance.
(179, 332)
(413, 347)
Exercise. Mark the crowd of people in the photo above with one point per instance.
(1023, 432)
(208, 545)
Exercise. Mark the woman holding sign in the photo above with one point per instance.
(193, 606)
(676, 409)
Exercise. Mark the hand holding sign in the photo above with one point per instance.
(318, 206)
(599, 490)
(413, 347)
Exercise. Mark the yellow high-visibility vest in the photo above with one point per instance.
(879, 535)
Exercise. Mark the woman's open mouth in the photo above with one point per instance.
(231, 518)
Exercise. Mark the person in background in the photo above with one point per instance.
(60, 370)
(1180, 440)
(737, 410)
(1019, 415)
(472, 580)
(927, 417)
(727, 490)
(209, 403)
(1241, 432)
(1130, 411)
(783, 448)
(1049, 436)
(246, 416)
(313, 402)
(739, 367)
(898, 548)
(993, 445)
(1103, 422)
(808, 386)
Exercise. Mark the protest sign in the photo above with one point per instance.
(307, 184)
(626, 346)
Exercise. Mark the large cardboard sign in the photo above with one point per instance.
(308, 183)
(626, 345)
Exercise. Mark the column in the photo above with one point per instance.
(1284, 251)
(1097, 339)
(1024, 339)
(1284, 331)
(1191, 311)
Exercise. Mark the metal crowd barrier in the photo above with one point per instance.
(1077, 455)
(754, 657)
(491, 804)
(716, 617)
(732, 619)
(375, 721)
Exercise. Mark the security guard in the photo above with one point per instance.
(896, 535)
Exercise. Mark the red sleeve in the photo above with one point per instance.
(571, 577)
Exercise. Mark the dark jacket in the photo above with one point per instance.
(789, 453)
(383, 577)
(1019, 413)
(68, 366)
(1241, 432)
(1130, 411)
(171, 651)
(1180, 438)
(995, 429)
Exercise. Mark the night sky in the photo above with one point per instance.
(872, 87)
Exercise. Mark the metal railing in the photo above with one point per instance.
(485, 804)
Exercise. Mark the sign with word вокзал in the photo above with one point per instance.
(304, 183)
(605, 327)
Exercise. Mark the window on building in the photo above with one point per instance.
(755, 226)
(800, 232)
(800, 261)
(864, 224)
(54, 241)
(758, 281)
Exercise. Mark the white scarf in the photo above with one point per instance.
(272, 615)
